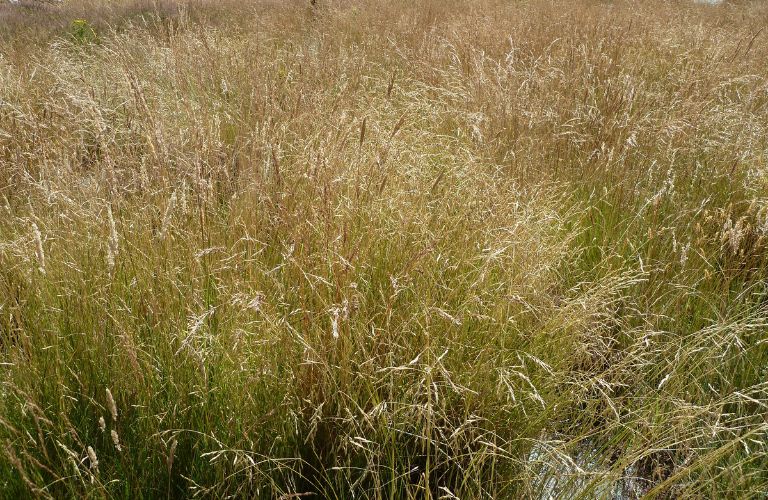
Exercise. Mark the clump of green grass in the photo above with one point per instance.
(82, 32)
(453, 251)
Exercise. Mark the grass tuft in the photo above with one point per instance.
(383, 250)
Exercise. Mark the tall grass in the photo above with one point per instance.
(384, 249)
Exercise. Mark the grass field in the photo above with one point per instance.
(363, 249)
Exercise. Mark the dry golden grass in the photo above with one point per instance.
(440, 249)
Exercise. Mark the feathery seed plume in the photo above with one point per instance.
(116, 440)
(39, 247)
(112, 405)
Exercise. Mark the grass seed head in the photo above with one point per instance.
(39, 252)
(111, 405)
(116, 440)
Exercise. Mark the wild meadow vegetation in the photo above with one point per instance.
(363, 249)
